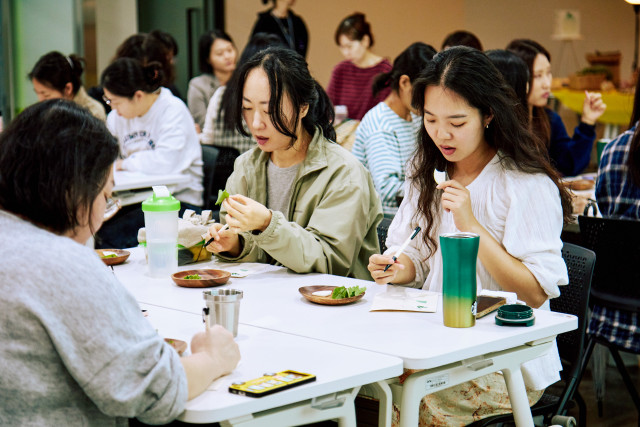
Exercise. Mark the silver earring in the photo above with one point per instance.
(487, 126)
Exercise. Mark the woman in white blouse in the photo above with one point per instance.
(500, 186)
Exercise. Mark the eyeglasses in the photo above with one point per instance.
(106, 100)
(112, 208)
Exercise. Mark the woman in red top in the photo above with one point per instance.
(351, 79)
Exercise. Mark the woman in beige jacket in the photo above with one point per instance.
(297, 199)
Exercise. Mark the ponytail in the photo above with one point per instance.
(56, 70)
(409, 63)
(321, 114)
(380, 82)
(153, 76)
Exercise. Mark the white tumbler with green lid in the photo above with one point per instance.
(161, 226)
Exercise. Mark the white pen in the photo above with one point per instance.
(404, 245)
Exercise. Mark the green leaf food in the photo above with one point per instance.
(222, 194)
(109, 256)
(193, 277)
(342, 292)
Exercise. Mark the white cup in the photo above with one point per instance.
(341, 113)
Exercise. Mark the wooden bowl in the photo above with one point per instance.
(121, 256)
(209, 278)
(178, 345)
(307, 292)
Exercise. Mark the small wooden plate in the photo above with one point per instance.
(121, 256)
(209, 278)
(178, 345)
(307, 292)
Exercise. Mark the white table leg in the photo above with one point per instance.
(518, 396)
(433, 380)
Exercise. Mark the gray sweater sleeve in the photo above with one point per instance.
(114, 353)
(89, 325)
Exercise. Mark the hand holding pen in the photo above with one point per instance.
(397, 272)
(403, 247)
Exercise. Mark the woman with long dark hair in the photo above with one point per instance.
(297, 199)
(515, 72)
(569, 155)
(618, 183)
(217, 58)
(386, 137)
(499, 186)
(75, 347)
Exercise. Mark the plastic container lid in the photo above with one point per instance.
(515, 315)
(161, 201)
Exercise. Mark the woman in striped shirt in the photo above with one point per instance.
(385, 140)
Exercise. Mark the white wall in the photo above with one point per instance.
(605, 25)
(39, 26)
(115, 21)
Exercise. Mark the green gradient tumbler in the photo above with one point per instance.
(459, 255)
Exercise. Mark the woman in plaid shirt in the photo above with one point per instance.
(618, 183)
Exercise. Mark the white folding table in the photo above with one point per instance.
(447, 356)
(339, 371)
(135, 187)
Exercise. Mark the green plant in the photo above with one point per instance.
(596, 69)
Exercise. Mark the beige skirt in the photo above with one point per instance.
(465, 403)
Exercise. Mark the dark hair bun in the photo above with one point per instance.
(153, 74)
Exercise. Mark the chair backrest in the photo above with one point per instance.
(224, 167)
(383, 228)
(616, 279)
(209, 160)
(574, 299)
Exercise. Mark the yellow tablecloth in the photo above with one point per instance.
(619, 105)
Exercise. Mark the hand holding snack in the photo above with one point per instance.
(245, 214)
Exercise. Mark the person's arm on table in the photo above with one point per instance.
(214, 353)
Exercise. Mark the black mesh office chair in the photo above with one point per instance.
(383, 228)
(573, 299)
(209, 159)
(616, 283)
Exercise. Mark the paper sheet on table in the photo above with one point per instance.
(248, 268)
(405, 299)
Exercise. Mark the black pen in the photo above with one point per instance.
(404, 245)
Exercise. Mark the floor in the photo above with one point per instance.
(618, 408)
